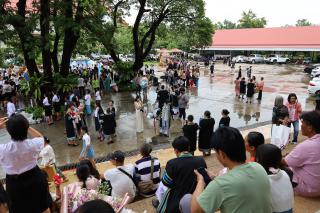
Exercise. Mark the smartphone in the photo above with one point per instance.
(204, 174)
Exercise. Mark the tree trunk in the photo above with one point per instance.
(45, 39)
(25, 37)
(71, 34)
(54, 53)
(29, 61)
(69, 44)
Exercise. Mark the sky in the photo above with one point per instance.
(277, 12)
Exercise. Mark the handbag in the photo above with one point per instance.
(280, 135)
(147, 186)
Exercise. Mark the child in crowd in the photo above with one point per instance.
(269, 156)
(252, 141)
(225, 119)
(47, 158)
(87, 151)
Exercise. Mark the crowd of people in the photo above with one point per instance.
(248, 88)
(185, 185)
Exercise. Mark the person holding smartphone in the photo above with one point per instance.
(236, 190)
(179, 175)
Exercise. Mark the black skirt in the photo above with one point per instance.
(47, 110)
(28, 192)
(57, 107)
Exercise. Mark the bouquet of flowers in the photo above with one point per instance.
(57, 180)
(76, 200)
(105, 188)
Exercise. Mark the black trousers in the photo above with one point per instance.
(260, 95)
(317, 104)
(28, 192)
(182, 113)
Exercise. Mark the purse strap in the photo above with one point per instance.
(126, 173)
(152, 168)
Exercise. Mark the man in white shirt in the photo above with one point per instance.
(121, 177)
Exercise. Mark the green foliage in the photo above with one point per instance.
(37, 112)
(196, 34)
(32, 88)
(35, 84)
(1, 57)
(123, 40)
(105, 188)
(303, 22)
(250, 20)
(125, 70)
(65, 84)
(226, 24)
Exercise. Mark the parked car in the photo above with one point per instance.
(314, 86)
(240, 59)
(255, 58)
(307, 60)
(308, 68)
(315, 72)
(274, 58)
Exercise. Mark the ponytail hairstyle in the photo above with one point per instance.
(83, 172)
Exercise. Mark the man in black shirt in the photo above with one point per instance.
(179, 176)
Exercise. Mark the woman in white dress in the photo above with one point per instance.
(138, 105)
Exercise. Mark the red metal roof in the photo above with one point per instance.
(280, 37)
(13, 4)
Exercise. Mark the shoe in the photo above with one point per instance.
(110, 142)
(294, 142)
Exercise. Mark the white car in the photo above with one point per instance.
(315, 72)
(314, 86)
(240, 59)
(255, 58)
(274, 58)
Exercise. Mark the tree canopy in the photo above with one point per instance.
(248, 20)
(51, 31)
(303, 22)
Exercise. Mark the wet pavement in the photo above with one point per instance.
(213, 94)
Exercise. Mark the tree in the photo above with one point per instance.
(226, 24)
(250, 20)
(197, 34)
(151, 14)
(23, 24)
(303, 22)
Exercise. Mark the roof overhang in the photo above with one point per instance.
(284, 49)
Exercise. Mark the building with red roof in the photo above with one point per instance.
(278, 39)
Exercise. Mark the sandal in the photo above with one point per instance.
(110, 142)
